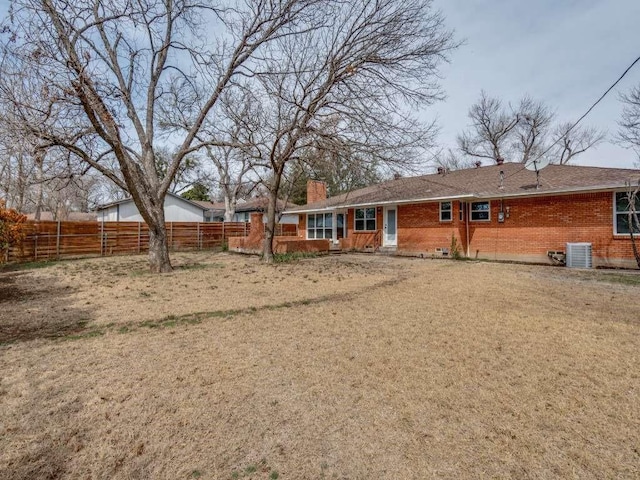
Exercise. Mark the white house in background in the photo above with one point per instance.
(176, 209)
(245, 208)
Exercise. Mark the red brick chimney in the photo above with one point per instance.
(316, 191)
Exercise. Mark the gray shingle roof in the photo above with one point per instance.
(252, 205)
(483, 182)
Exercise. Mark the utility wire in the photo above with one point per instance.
(582, 117)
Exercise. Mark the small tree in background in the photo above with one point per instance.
(633, 198)
(11, 229)
(199, 191)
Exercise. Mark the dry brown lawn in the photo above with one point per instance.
(346, 367)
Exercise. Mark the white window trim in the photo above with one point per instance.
(315, 228)
(462, 206)
(615, 217)
(450, 211)
(471, 210)
(375, 219)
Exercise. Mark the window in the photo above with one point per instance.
(365, 219)
(462, 206)
(445, 211)
(480, 211)
(242, 217)
(622, 214)
(320, 225)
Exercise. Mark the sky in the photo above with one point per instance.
(565, 53)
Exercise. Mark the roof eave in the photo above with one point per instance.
(375, 204)
(130, 199)
(537, 193)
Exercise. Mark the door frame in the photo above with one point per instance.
(334, 236)
(385, 221)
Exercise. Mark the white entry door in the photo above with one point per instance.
(390, 227)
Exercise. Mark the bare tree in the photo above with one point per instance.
(571, 142)
(629, 136)
(533, 124)
(522, 133)
(342, 86)
(114, 68)
(235, 124)
(629, 132)
(633, 202)
(491, 129)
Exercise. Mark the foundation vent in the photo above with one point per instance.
(579, 255)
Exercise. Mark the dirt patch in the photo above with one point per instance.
(34, 307)
(426, 369)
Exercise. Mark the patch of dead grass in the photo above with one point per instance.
(425, 369)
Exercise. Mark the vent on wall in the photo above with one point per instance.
(579, 255)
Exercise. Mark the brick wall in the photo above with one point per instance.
(360, 240)
(421, 231)
(254, 242)
(533, 227)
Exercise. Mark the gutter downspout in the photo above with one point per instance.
(466, 221)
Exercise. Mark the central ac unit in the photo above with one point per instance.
(579, 255)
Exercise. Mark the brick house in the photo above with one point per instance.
(501, 212)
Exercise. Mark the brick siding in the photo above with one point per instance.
(531, 228)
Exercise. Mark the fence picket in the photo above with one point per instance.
(80, 239)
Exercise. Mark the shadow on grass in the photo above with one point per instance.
(46, 461)
(30, 310)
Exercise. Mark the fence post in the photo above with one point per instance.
(35, 248)
(171, 235)
(223, 238)
(245, 229)
(102, 238)
(58, 240)
(139, 233)
(198, 236)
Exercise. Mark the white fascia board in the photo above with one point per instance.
(375, 204)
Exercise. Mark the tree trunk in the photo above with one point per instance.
(159, 261)
(633, 221)
(230, 202)
(21, 185)
(267, 255)
(39, 184)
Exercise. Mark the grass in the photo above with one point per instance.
(293, 256)
(384, 368)
(172, 321)
(90, 333)
(627, 279)
(17, 267)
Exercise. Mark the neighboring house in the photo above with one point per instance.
(176, 209)
(494, 212)
(244, 209)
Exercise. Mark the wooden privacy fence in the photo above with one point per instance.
(48, 240)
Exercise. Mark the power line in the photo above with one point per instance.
(584, 115)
